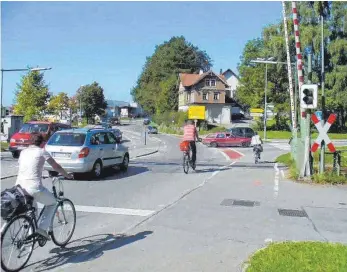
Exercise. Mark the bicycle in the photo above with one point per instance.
(256, 152)
(26, 236)
(187, 161)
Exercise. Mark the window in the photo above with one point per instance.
(216, 96)
(111, 138)
(207, 82)
(220, 136)
(98, 138)
(67, 139)
(32, 128)
(213, 82)
(188, 97)
(205, 96)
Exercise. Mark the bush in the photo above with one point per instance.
(176, 119)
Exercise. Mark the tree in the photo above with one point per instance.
(31, 96)
(272, 43)
(58, 104)
(93, 100)
(160, 74)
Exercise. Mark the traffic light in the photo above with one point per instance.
(309, 96)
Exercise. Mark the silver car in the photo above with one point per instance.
(86, 150)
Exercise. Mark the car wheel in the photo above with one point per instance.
(52, 173)
(214, 144)
(15, 155)
(97, 169)
(125, 164)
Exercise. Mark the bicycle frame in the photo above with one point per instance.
(32, 211)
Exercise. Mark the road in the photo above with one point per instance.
(156, 218)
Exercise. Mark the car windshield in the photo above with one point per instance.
(32, 128)
(67, 139)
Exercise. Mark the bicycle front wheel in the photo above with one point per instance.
(186, 163)
(16, 248)
(64, 222)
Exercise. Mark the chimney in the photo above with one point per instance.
(201, 72)
(221, 71)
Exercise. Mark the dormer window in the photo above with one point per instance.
(210, 82)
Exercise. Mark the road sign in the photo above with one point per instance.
(309, 96)
(323, 132)
(196, 112)
(256, 110)
(319, 115)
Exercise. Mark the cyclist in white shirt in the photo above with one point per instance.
(257, 143)
(31, 162)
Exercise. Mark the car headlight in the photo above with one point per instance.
(12, 141)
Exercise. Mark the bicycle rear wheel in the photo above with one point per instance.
(64, 222)
(186, 163)
(16, 249)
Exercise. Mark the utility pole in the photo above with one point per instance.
(322, 150)
(308, 127)
(265, 102)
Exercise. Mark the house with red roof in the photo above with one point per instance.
(208, 89)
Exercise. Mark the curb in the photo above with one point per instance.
(6, 177)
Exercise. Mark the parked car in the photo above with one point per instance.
(86, 151)
(22, 139)
(115, 121)
(245, 132)
(146, 121)
(118, 135)
(225, 139)
(152, 130)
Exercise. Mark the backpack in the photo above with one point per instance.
(15, 201)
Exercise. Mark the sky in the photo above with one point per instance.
(108, 42)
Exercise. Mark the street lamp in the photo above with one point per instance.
(81, 101)
(17, 70)
(268, 61)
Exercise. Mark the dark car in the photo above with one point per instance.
(152, 130)
(118, 134)
(245, 132)
(146, 121)
(225, 139)
(115, 121)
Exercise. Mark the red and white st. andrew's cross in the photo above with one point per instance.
(323, 132)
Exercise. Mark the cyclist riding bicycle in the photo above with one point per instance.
(190, 135)
(31, 162)
(257, 142)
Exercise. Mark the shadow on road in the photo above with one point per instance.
(125, 141)
(85, 249)
(113, 174)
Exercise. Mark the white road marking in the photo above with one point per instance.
(282, 174)
(282, 146)
(109, 210)
(276, 181)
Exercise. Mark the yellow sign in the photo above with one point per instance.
(196, 112)
(256, 110)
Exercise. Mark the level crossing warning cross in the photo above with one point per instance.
(323, 132)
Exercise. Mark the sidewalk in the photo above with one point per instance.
(211, 229)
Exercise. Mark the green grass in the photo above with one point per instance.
(4, 146)
(215, 129)
(271, 134)
(300, 257)
(328, 177)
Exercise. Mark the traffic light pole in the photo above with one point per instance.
(322, 150)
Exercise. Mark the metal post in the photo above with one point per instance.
(265, 108)
(322, 151)
(308, 120)
(2, 84)
(145, 135)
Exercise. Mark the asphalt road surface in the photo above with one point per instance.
(156, 218)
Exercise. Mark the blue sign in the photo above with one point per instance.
(319, 115)
(308, 50)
